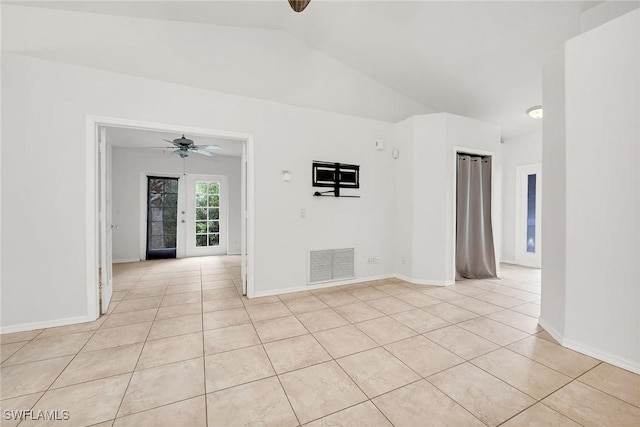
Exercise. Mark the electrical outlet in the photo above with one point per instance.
(303, 213)
(402, 260)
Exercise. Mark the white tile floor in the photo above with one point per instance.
(181, 347)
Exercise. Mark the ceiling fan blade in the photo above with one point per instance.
(203, 152)
(171, 142)
(205, 147)
(163, 148)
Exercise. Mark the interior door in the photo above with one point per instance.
(528, 215)
(106, 228)
(206, 215)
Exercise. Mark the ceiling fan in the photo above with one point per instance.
(184, 146)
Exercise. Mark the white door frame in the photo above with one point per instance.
(92, 192)
(144, 188)
(523, 257)
(105, 220)
(190, 246)
(243, 219)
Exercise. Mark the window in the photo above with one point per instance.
(207, 213)
(531, 213)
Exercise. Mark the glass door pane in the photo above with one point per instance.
(531, 213)
(207, 213)
(162, 217)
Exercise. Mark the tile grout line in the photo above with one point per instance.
(204, 356)
(61, 372)
(284, 391)
(134, 368)
(346, 373)
(379, 346)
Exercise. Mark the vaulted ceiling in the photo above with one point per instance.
(386, 60)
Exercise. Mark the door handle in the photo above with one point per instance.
(113, 227)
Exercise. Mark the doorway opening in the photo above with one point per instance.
(162, 217)
(177, 214)
(475, 253)
(528, 215)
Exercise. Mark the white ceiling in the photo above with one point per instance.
(138, 138)
(474, 58)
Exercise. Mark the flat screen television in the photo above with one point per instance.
(336, 176)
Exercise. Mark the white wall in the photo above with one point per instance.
(403, 198)
(255, 62)
(602, 179)
(425, 191)
(552, 308)
(525, 149)
(46, 124)
(604, 12)
(129, 164)
(429, 199)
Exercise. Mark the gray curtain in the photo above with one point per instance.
(475, 255)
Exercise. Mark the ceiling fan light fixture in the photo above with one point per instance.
(184, 146)
(535, 112)
(299, 5)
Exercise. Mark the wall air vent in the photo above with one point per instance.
(331, 265)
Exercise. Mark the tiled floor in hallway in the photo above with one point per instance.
(181, 347)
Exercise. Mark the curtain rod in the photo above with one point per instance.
(482, 156)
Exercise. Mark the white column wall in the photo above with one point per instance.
(601, 239)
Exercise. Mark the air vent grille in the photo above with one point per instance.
(331, 265)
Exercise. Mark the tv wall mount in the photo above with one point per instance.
(335, 176)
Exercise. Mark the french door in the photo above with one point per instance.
(162, 217)
(528, 215)
(206, 215)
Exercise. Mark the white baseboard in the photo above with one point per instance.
(123, 260)
(508, 261)
(590, 351)
(425, 282)
(551, 331)
(45, 324)
(349, 282)
(603, 355)
(318, 286)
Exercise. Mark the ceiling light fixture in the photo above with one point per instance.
(299, 5)
(535, 112)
